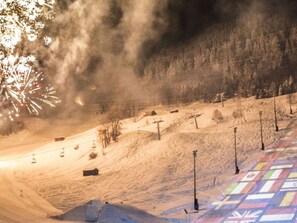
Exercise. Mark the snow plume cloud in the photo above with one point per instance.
(103, 45)
(97, 45)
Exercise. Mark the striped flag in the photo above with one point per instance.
(278, 215)
(276, 174)
(240, 188)
(259, 196)
(253, 204)
(271, 186)
(284, 166)
(289, 185)
(262, 166)
(293, 174)
(290, 199)
(256, 201)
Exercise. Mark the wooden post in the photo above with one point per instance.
(158, 126)
(196, 122)
(195, 118)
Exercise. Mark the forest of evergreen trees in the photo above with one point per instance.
(255, 55)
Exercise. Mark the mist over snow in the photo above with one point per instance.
(104, 45)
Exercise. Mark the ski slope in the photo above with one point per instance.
(138, 170)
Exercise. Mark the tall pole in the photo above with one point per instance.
(196, 123)
(195, 116)
(196, 204)
(222, 99)
(275, 118)
(158, 126)
(261, 129)
(290, 103)
(235, 152)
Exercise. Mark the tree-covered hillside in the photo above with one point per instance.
(254, 55)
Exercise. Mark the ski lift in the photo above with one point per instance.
(76, 147)
(94, 145)
(62, 153)
(33, 159)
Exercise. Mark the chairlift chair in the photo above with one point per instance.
(62, 153)
(33, 159)
(94, 145)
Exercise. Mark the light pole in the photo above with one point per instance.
(261, 129)
(195, 118)
(290, 103)
(158, 126)
(235, 152)
(196, 204)
(196, 123)
(275, 118)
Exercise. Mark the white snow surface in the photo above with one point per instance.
(138, 170)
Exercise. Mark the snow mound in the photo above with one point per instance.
(124, 213)
(96, 211)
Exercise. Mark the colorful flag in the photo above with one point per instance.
(256, 201)
(262, 166)
(243, 217)
(278, 215)
(271, 186)
(240, 188)
(251, 176)
(285, 166)
(252, 204)
(290, 199)
(293, 175)
(276, 174)
(289, 185)
(228, 203)
(259, 196)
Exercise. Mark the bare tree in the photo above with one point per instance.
(217, 116)
(238, 116)
(114, 116)
(104, 136)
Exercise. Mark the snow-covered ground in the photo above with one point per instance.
(138, 170)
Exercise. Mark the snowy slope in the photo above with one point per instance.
(138, 170)
(18, 203)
